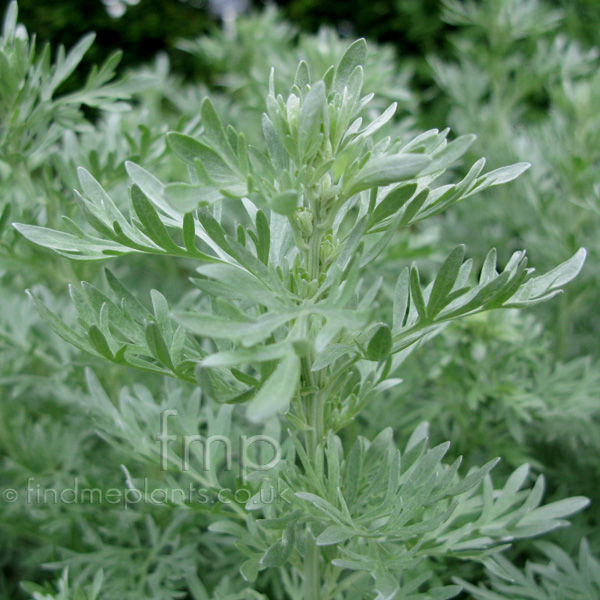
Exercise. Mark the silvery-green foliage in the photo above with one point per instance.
(241, 61)
(144, 548)
(65, 591)
(239, 65)
(318, 156)
(50, 444)
(283, 238)
(495, 373)
(95, 591)
(529, 91)
(380, 512)
(45, 437)
(33, 117)
(128, 426)
(45, 133)
(558, 579)
(33, 112)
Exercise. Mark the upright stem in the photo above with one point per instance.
(314, 415)
(312, 571)
(314, 254)
(314, 437)
(315, 418)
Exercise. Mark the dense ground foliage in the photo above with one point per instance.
(304, 256)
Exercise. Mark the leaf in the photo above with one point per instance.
(99, 343)
(302, 77)
(386, 585)
(250, 569)
(392, 203)
(323, 506)
(191, 150)
(472, 479)
(556, 510)
(380, 344)
(228, 528)
(151, 186)
(131, 304)
(4, 217)
(309, 122)
(186, 197)
(451, 153)
(242, 283)
(189, 232)
(10, 21)
(186, 147)
(214, 128)
(380, 121)
(335, 535)
(98, 196)
(65, 67)
(445, 280)
(240, 398)
(417, 294)
(248, 332)
(154, 228)
(158, 346)
(242, 356)
(354, 56)
(330, 355)
(412, 209)
(502, 175)
(554, 279)
(401, 299)
(58, 326)
(275, 148)
(276, 556)
(59, 241)
(445, 592)
(284, 203)
(263, 242)
(276, 393)
(385, 170)
(488, 270)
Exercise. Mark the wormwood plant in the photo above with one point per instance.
(288, 323)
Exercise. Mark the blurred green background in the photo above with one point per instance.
(148, 26)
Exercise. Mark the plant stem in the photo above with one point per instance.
(314, 251)
(312, 572)
(313, 438)
(314, 415)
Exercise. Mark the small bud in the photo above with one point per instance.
(302, 286)
(313, 286)
(304, 219)
(327, 149)
(327, 251)
(292, 109)
(325, 184)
